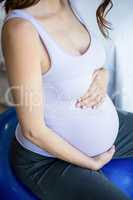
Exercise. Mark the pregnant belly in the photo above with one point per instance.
(92, 131)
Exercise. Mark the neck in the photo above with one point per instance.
(47, 8)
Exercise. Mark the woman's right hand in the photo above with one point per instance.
(104, 158)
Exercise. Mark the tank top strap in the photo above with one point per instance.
(78, 13)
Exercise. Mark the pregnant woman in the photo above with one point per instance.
(68, 126)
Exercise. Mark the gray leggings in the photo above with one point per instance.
(54, 179)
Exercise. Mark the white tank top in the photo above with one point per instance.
(92, 131)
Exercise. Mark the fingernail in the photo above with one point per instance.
(78, 104)
(79, 99)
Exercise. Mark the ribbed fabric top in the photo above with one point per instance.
(68, 79)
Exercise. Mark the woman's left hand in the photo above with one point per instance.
(97, 91)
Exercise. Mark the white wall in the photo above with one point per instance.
(122, 17)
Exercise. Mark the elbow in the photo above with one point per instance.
(33, 133)
(30, 135)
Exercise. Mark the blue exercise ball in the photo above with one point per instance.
(10, 186)
(119, 171)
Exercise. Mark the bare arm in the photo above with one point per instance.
(22, 54)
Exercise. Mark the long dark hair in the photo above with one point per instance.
(101, 12)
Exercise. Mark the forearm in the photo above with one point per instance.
(56, 145)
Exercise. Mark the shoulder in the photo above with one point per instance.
(18, 26)
(18, 32)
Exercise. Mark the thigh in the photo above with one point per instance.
(54, 179)
(124, 140)
(76, 183)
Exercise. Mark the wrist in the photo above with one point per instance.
(92, 164)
